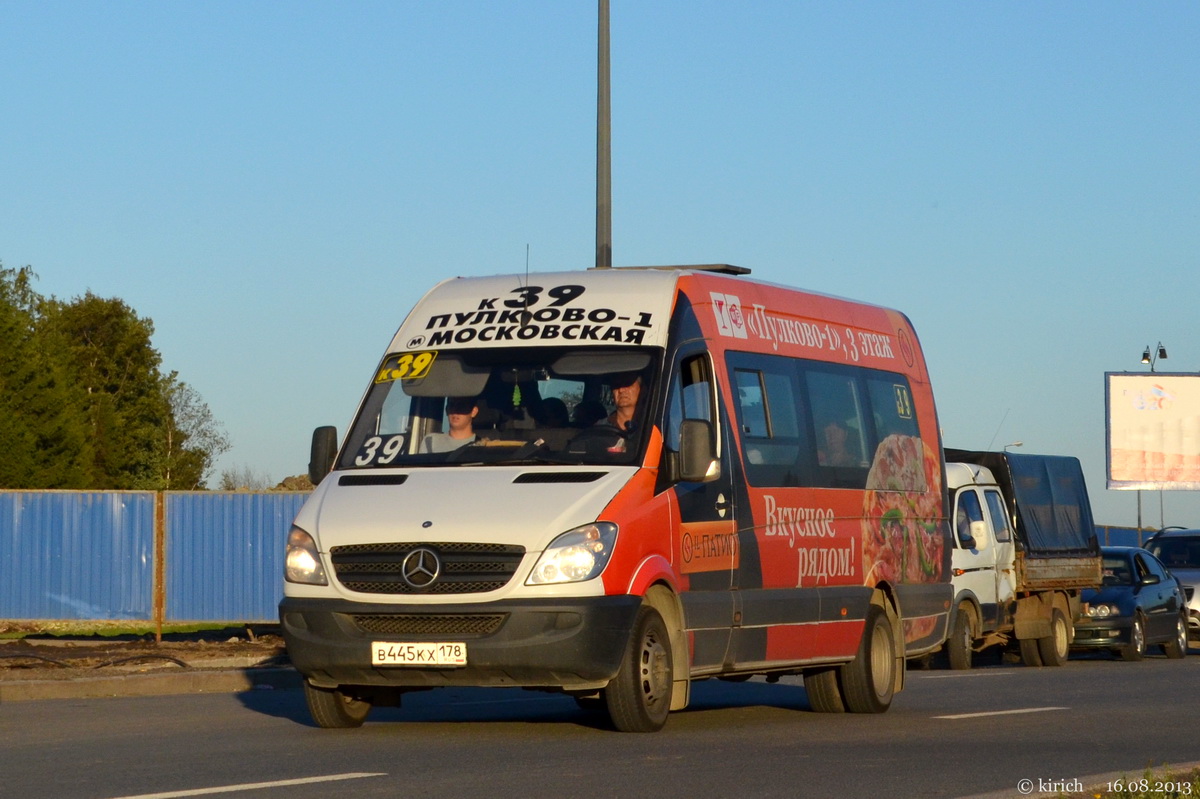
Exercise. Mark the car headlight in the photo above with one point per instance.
(303, 562)
(576, 555)
(1101, 611)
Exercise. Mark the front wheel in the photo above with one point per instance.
(1136, 648)
(332, 709)
(869, 681)
(1056, 647)
(959, 644)
(1178, 646)
(639, 697)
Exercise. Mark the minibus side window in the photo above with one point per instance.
(892, 406)
(768, 414)
(840, 427)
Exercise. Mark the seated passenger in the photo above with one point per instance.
(833, 451)
(461, 412)
(587, 413)
(554, 413)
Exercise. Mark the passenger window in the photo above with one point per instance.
(999, 514)
(751, 403)
(892, 406)
(1150, 565)
(768, 414)
(840, 427)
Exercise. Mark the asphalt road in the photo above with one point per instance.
(949, 734)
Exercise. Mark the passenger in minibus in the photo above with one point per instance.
(461, 412)
(554, 413)
(833, 450)
(587, 413)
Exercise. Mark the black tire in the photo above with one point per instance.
(869, 681)
(1177, 647)
(1136, 648)
(824, 693)
(961, 641)
(592, 704)
(332, 709)
(1055, 648)
(639, 697)
(1030, 655)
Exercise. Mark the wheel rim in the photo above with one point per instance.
(1137, 639)
(1061, 644)
(881, 661)
(1181, 635)
(654, 674)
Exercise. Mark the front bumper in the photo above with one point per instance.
(1106, 634)
(573, 644)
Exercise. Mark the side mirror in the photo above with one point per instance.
(979, 531)
(1151, 579)
(697, 452)
(324, 450)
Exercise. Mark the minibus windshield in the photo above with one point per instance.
(582, 405)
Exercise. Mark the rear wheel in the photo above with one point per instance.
(639, 697)
(959, 644)
(1056, 647)
(1030, 655)
(332, 709)
(1136, 648)
(824, 694)
(1178, 646)
(869, 680)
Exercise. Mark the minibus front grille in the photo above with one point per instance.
(430, 624)
(425, 568)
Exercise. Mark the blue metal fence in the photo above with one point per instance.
(1122, 536)
(77, 555)
(224, 555)
(143, 556)
(166, 557)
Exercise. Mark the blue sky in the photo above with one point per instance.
(275, 184)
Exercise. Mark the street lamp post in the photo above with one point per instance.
(1159, 352)
(1150, 357)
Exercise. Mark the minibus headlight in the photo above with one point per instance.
(303, 562)
(576, 555)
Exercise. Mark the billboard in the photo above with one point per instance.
(1153, 430)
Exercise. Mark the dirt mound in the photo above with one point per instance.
(35, 658)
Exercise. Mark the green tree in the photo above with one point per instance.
(84, 403)
(45, 443)
(119, 388)
(193, 440)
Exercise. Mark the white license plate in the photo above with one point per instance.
(425, 653)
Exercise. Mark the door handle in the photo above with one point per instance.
(722, 505)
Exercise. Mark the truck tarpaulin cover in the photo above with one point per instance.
(1049, 494)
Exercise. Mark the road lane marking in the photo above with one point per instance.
(253, 786)
(1001, 712)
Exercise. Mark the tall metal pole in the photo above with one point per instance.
(603, 147)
